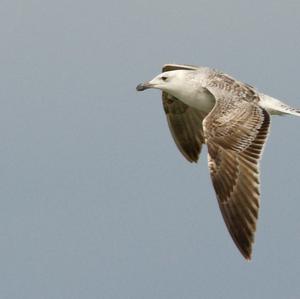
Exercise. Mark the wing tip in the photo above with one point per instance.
(175, 66)
(246, 251)
(247, 256)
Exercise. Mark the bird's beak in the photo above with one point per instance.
(143, 86)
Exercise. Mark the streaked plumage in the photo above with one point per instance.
(206, 106)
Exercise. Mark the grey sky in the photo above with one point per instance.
(96, 201)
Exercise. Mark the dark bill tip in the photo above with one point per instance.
(143, 86)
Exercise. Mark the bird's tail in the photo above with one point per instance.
(276, 107)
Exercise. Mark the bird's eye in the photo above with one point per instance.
(164, 78)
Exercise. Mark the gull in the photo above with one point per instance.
(205, 106)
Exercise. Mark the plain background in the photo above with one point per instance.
(96, 201)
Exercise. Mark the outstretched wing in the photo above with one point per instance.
(185, 122)
(235, 132)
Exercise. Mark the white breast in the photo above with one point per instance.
(200, 99)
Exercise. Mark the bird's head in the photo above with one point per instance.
(171, 82)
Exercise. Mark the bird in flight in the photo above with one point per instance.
(205, 106)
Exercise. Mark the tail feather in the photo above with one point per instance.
(276, 107)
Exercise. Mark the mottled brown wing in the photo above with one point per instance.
(185, 124)
(235, 132)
